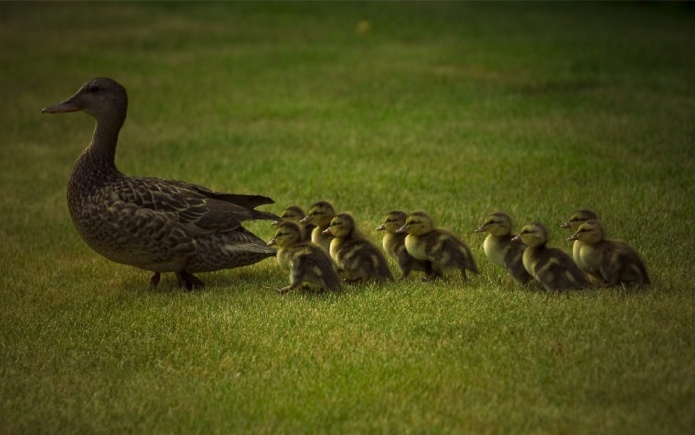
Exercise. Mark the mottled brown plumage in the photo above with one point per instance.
(150, 223)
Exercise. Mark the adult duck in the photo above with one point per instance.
(150, 223)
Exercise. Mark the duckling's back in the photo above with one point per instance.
(554, 268)
(614, 262)
(360, 258)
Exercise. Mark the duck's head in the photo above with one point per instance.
(532, 235)
(417, 224)
(342, 225)
(287, 233)
(497, 224)
(589, 232)
(103, 98)
(393, 221)
(578, 218)
(320, 214)
(293, 213)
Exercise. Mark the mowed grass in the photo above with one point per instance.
(459, 109)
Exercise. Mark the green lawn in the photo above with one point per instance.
(460, 109)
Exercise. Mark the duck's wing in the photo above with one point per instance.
(198, 209)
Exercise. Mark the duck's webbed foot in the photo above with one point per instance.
(154, 281)
(189, 281)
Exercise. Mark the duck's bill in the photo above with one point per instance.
(565, 225)
(573, 237)
(480, 229)
(65, 106)
(516, 239)
(380, 228)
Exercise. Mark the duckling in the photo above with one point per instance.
(305, 261)
(552, 267)
(294, 213)
(394, 244)
(320, 215)
(612, 261)
(359, 258)
(578, 218)
(500, 249)
(441, 247)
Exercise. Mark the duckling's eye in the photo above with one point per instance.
(94, 88)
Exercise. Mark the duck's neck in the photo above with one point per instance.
(97, 162)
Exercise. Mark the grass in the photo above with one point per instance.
(456, 108)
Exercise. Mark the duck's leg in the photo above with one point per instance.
(154, 281)
(189, 281)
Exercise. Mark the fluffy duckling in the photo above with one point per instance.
(552, 267)
(359, 258)
(578, 218)
(295, 213)
(500, 249)
(320, 215)
(612, 261)
(305, 261)
(441, 247)
(394, 244)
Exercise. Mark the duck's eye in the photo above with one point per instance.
(94, 88)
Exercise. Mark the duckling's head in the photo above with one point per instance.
(286, 234)
(589, 232)
(320, 214)
(342, 225)
(103, 98)
(497, 224)
(393, 221)
(532, 235)
(578, 218)
(417, 224)
(293, 213)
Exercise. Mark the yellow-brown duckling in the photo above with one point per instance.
(320, 215)
(295, 213)
(500, 249)
(612, 261)
(356, 256)
(306, 262)
(578, 218)
(552, 267)
(394, 244)
(441, 247)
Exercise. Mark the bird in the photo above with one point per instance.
(306, 261)
(552, 267)
(500, 249)
(295, 213)
(153, 224)
(320, 215)
(357, 257)
(439, 246)
(611, 261)
(394, 244)
(578, 218)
